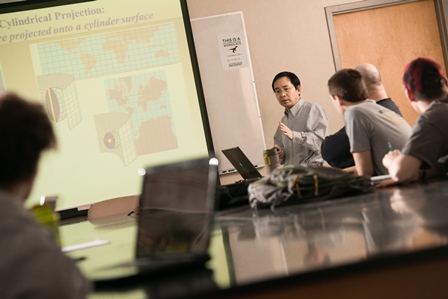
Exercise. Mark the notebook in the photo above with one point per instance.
(174, 224)
(379, 178)
(241, 163)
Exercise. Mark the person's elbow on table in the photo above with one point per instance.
(403, 168)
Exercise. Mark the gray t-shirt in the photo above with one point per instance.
(429, 140)
(370, 127)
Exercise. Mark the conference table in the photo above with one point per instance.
(391, 243)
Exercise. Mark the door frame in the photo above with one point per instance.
(330, 11)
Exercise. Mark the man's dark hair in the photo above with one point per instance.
(25, 131)
(348, 85)
(295, 81)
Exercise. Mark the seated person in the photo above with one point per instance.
(336, 147)
(425, 87)
(370, 127)
(303, 126)
(32, 264)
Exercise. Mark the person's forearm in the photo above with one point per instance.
(350, 169)
(405, 169)
(363, 163)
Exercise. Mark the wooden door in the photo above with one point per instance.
(389, 37)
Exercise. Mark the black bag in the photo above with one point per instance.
(299, 184)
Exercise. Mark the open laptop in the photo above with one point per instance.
(241, 163)
(174, 223)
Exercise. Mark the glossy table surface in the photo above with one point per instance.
(251, 247)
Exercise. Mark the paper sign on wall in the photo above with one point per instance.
(233, 51)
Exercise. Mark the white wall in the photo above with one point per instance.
(284, 35)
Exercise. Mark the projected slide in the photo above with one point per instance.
(1, 81)
(143, 101)
(142, 97)
(111, 53)
(58, 93)
(116, 80)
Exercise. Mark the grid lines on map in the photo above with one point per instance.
(111, 53)
(145, 98)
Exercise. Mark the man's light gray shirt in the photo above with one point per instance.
(309, 125)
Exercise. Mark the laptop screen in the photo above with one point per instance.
(176, 208)
(241, 163)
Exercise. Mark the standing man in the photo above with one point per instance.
(336, 147)
(32, 265)
(425, 87)
(302, 129)
(371, 128)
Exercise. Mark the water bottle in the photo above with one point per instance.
(271, 160)
(44, 215)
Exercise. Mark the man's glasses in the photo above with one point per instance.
(285, 89)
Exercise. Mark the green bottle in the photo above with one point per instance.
(44, 215)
